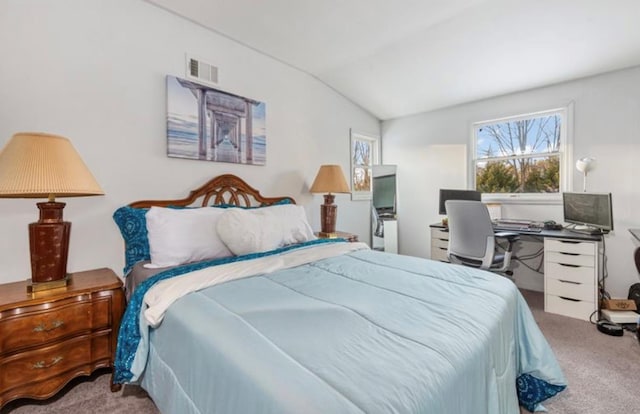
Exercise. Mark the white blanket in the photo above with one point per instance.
(164, 293)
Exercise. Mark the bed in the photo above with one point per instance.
(297, 324)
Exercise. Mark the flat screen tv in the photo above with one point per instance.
(447, 194)
(591, 210)
(384, 194)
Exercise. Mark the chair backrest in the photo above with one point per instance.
(470, 231)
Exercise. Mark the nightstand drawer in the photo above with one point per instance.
(578, 274)
(44, 363)
(579, 309)
(580, 291)
(35, 325)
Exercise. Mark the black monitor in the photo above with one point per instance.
(592, 210)
(447, 194)
(384, 194)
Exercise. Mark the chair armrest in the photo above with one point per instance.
(510, 236)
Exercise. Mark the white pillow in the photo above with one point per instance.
(178, 236)
(262, 229)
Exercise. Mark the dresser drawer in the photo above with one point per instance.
(579, 309)
(439, 253)
(570, 259)
(34, 325)
(588, 248)
(570, 273)
(571, 290)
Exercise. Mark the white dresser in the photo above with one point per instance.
(571, 270)
(439, 244)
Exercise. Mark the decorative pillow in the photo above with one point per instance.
(133, 227)
(178, 236)
(246, 231)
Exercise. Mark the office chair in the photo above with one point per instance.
(472, 241)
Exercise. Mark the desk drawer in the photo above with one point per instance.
(580, 291)
(579, 309)
(570, 259)
(439, 234)
(588, 248)
(438, 253)
(439, 243)
(578, 274)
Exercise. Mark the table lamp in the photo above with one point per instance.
(329, 179)
(584, 165)
(38, 165)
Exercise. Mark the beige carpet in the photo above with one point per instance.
(602, 372)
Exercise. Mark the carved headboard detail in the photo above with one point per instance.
(223, 189)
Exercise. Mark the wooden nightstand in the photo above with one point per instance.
(350, 237)
(47, 338)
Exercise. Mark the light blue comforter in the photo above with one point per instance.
(365, 332)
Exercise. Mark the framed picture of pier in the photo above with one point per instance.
(204, 123)
(364, 154)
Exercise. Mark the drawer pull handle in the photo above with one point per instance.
(571, 299)
(442, 248)
(570, 254)
(43, 327)
(569, 281)
(43, 364)
(568, 265)
(569, 241)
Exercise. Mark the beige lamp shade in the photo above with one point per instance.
(330, 179)
(38, 165)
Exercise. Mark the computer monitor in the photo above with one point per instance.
(592, 210)
(447, 194)
(384, 194)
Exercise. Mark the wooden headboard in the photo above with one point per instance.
(223, 189)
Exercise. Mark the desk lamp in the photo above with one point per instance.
(584, 165)
(38, 165)
(329, 179)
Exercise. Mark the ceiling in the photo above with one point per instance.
(401, 57)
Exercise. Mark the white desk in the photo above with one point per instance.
(572, 269)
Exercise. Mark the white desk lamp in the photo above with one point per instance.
(584, 165)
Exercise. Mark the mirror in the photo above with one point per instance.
(384, 217)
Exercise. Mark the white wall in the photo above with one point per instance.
(430, 151)
(94, 71)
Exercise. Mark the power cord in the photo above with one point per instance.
(531, 256)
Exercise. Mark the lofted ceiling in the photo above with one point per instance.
(400, 57)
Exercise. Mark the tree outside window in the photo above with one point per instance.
(519, 155)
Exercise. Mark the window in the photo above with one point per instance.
(522, 157)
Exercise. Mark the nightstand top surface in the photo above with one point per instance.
(15, 294)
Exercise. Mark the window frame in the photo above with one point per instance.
(565, 153)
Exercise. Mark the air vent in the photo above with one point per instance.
(202, 71)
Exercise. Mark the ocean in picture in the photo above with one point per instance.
(227, 119)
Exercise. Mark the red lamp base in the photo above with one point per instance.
(328, 216)
(49, 243)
